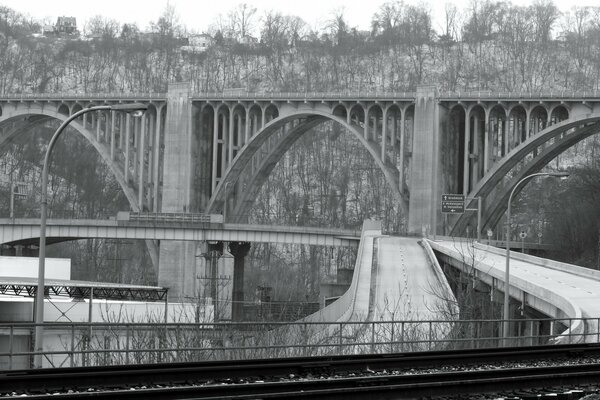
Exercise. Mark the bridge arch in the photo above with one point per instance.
(63, 109)
(357, 113)
(46, 115)
(244, 193)
(537, 151)
(497, 129)
(558, 113)
(538, 120)
(340, 110)
(454, 141)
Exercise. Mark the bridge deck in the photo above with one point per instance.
(26, 231)
(556, 289)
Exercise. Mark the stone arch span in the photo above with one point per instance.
(41, 116)
(301, 121)
(527, 158)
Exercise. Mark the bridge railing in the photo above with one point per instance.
(82, 96)
(126, 216)
(363, 94)
(84, 344)
(558, 94)
(360, 94)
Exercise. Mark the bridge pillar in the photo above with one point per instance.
(425, 170)
(177, 261)
(239, 250)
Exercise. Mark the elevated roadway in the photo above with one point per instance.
(26, 232)
(556, 289)
(395, 279)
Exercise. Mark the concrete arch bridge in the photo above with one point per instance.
(211, 152)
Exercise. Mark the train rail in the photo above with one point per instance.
(404, 375)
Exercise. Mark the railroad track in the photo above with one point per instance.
(405, 375)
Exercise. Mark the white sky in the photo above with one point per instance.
(198, 15)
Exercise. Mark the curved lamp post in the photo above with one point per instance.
(505, 311)
(137, 110)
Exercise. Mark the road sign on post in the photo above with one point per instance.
(453, 203)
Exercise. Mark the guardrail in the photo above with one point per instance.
(169, 217)
(84, 344)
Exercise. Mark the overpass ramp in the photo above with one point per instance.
(556, 289)
(395, 279)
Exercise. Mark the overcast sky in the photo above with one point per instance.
(198, 15)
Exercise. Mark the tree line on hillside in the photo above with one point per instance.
(488, 45)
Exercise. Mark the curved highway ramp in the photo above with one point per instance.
(395, 279)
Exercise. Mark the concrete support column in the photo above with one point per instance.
(394, 128)
(240, 133)
(247, 127)
(264, 117)
(98, 120)
(127, 140)
(230, 140)
(384, 135)
(506, 132)
(239, 250)
(121, 128)
(425, 173)
(141, 151)
(366, 124)
(466, 169)
(476, 155)
(224, 148)
(486, 144)
(401, 172)
(177, 261)
(150, 164)
(215, 149)
(112, 135)
(527, 123)
(156, 165)
(136, 146)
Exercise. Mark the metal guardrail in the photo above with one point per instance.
(85, 344)
(169, 217)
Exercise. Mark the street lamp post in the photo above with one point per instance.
(137, 109)
(505, 312)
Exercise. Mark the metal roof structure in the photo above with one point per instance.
(27, 287)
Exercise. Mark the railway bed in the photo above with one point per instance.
(465, 374)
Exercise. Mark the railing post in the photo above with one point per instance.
(392, 338)
(531, 332)
(72, 345)
(372, 337)
(305, 340)
(402, 335)
(127, 339)
(340, 339)
(570, 330)
(430, 334)
(10, 346)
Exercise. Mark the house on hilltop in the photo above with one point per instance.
(65, 26)
(198, 43)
